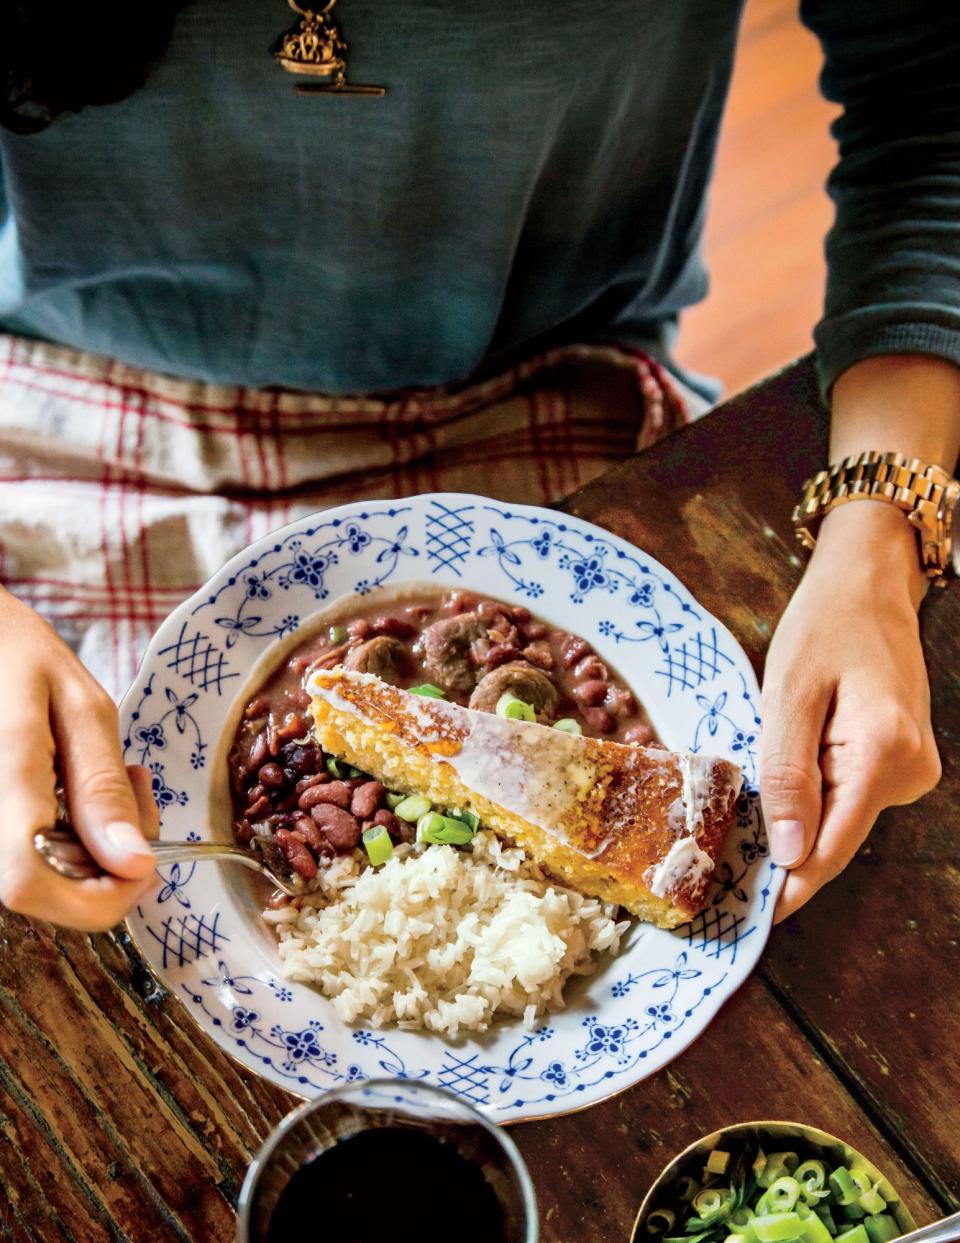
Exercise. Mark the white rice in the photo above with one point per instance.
(443, 938)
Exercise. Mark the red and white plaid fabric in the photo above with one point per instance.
(122, 490)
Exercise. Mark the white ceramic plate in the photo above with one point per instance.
(201, 934)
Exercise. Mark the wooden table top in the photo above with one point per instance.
(120, 1120)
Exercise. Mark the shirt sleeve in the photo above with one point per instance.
(893, 254)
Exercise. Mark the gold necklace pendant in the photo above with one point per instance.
(315, 50)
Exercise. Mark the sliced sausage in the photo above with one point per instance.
(384, 657)
(445, 650)
(526, 682)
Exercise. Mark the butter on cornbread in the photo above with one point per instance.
(635, 825)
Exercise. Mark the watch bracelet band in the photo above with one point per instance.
(913, 486)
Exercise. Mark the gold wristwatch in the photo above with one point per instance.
(928, 496)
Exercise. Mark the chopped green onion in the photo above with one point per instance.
(377, 844)
(428, 691)
(333, 768)
(881, 1228)
(712, 1205)
(812, 1177)
(777, 1165)
(735, 1238)
(860, 1179)
(742, 1217)
(338, 635)
(853, 1212)
(514, 709)
(437, 830)
(686, 1188)
(872, 1201)
(825, 1214)
(567, 725)
(394, 800)
(780, 1197)
(660, 1220)
(843, 1186)
(718, 1161)
(856, 1234)
(777, 1227)
(473, 820)
(413, 807)
(354, 772)
(759, 1164)
(812, 1228)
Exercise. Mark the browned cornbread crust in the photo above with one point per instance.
(599, 815)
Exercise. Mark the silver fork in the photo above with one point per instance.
(66, 854)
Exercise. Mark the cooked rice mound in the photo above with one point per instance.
(443, 938)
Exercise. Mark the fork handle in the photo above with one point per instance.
(63, 850)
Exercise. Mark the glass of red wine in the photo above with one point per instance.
(384, 1160)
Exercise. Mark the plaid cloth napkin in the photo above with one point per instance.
(122, 490)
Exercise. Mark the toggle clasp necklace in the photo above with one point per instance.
(315, 50)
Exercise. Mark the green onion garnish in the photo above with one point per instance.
(718, 1161)
(567, 725)
(856, 1234)
(437, 830)
(843, 1187)
(660, 1221)
(777, 1227)
(412, 807)
(473, 820)
(881, 1228)
(429, 691)
(339, 634)
(333, 768)
(394, 800)
(514, 709)
(377, 844)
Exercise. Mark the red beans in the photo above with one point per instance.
(640, 734)
(591, 667)
(294, 726)
(598, 720)
(257, 707)
(398, 829)
(620, 702)
(307, 783)
(499, 654)
(366, 799)
(271, 775)
(591, 694)
(308, 830)
(341, 829)
(395, 627)
(532, 629)
(360, 629)
(572, 649)
(336, 793)
(258, 752)
(539, 654)
(296, 854)
(259, 809)
(461, 602)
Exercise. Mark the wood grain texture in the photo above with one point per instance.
(119, 1120)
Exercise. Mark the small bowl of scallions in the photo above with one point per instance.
(771, 1182)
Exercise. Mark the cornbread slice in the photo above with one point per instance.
(634, 825)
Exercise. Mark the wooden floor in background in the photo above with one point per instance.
(768, 208)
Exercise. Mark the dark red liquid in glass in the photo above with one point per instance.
(386, 1185)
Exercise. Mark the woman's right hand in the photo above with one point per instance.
(59, 725)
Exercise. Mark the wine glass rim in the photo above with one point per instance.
(351, 1092)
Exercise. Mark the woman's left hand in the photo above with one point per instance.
(846, 701)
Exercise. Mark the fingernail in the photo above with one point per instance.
(787, 840)
(126, 838)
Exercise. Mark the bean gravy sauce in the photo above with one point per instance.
(291, 807)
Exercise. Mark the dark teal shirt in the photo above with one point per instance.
(536, 173)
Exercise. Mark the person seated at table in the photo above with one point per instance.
(225, 303)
